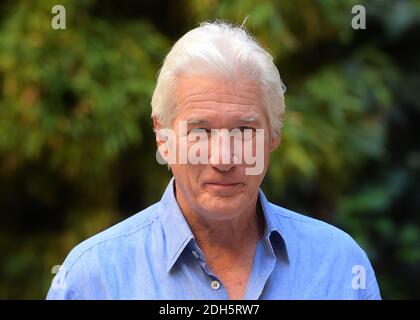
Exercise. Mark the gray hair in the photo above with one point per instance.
(222, 50)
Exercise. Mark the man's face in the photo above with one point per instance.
(215, 190)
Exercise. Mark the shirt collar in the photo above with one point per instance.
(276, 230)
(178, 233)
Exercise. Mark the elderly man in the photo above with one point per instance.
(214, 235)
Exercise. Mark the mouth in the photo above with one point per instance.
(223, 184)
(223, 188)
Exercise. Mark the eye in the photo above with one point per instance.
(245, 128)
(199, 130)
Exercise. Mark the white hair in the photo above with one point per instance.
(222, 50)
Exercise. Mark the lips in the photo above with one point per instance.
(222, 183)
(223, 188)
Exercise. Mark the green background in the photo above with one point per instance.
(77, 151)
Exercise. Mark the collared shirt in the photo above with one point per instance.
(154, 255)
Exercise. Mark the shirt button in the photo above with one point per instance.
(195, 255)
(215, 284)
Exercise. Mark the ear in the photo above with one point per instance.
(160, 138)
(156, 128)
(275, 140)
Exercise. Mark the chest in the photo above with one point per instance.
(233, 273)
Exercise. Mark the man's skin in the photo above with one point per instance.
(219, 201)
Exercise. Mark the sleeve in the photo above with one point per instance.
(363, 279)
(371, 289)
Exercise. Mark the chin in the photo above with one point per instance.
(222, 208)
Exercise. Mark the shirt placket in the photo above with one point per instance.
(216, 288)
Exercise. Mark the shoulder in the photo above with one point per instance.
(313, 244)
(135, 228)
(104, 254)
(313, 232)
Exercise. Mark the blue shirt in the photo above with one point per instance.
(153, 255)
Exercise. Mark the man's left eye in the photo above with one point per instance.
(245, 128)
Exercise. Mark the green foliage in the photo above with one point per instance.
(90, 84)
(77, 152)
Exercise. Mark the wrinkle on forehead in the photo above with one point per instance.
(202, 92)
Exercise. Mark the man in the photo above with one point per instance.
(214, 235)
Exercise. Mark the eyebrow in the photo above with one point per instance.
(248, 120)
(202, 121)
(197, 121)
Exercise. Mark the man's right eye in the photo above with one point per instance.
(199, 130)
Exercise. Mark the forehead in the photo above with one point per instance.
(210, 99)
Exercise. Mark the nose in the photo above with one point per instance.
(222, 155)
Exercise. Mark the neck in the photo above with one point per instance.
(235, 234)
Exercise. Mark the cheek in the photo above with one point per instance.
(256, 149)
(253, 182)
(198, 151)
(187, 175)
(180, 174)
(250, 148)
